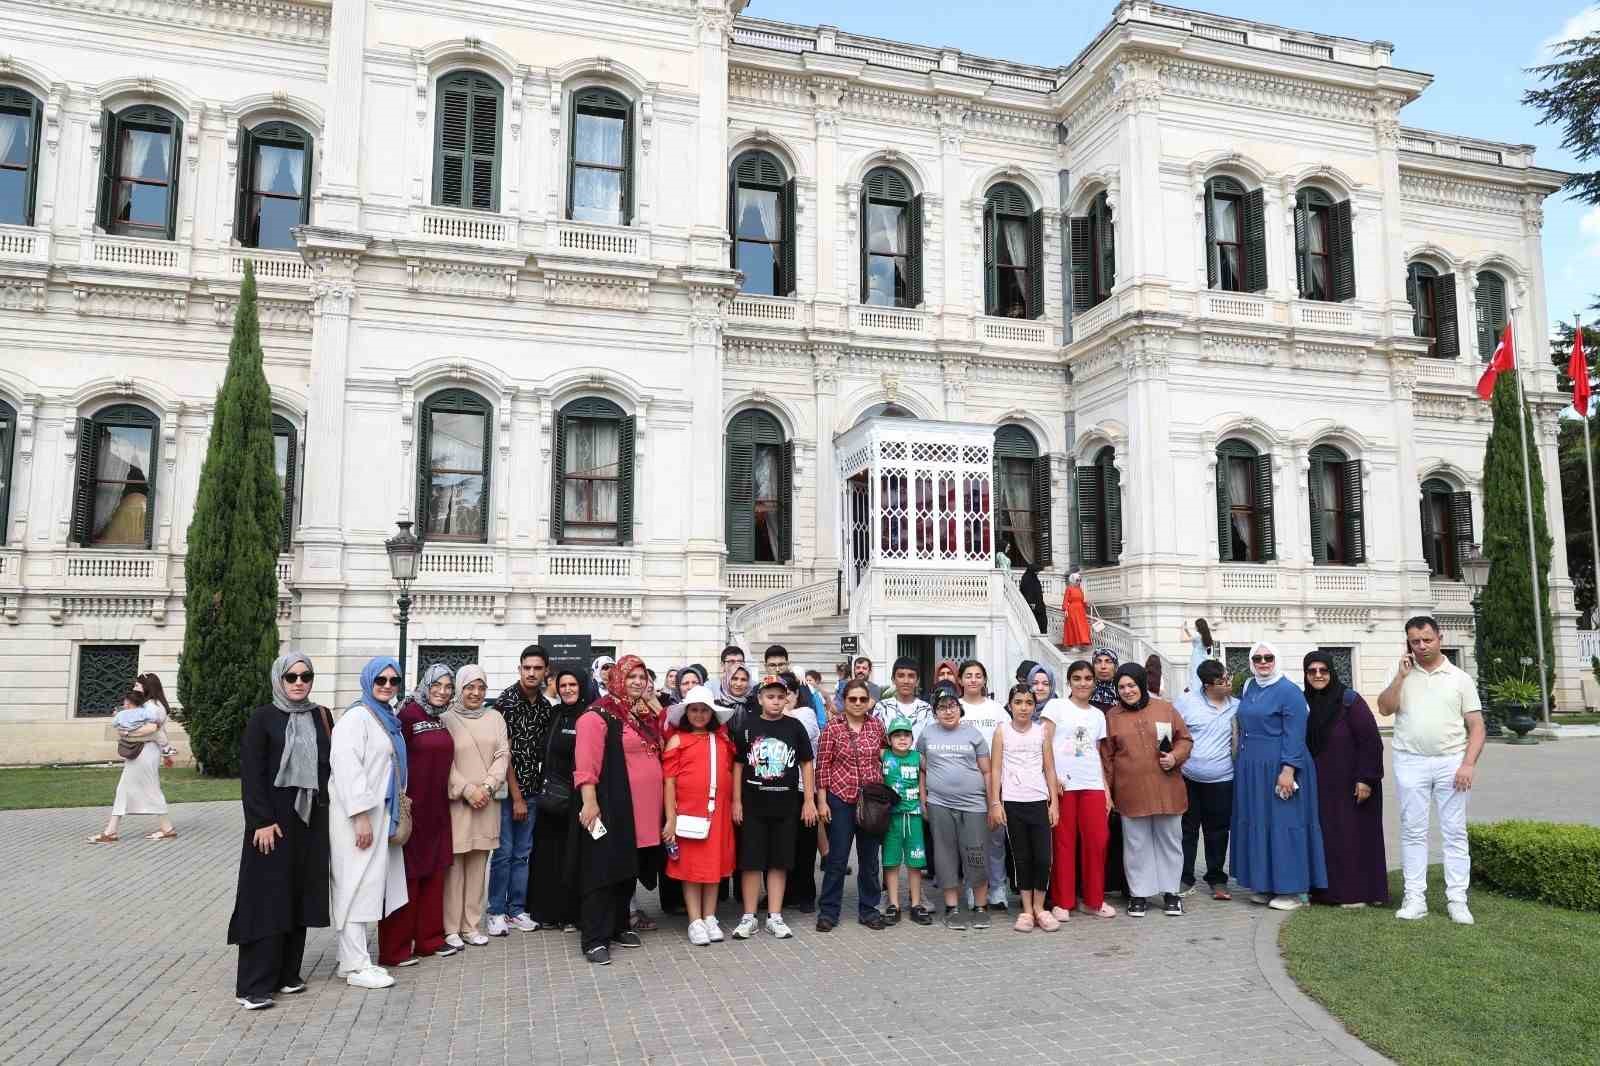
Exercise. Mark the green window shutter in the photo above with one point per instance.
(1342, 253)
(1080, 235)
(1224, 516)
(1090, 518)
(914, 260)
(866, 201)
(424, 468)
(174, 170)
(1263, 513)
(450, 145)
(1319, 548)
(1036, 264)
(558, 480)
(1461, 523)
(1448, 344)
(109, 145)
(83, 482)
(991, 283)
(282, 427)
(627, 183)
(1427, 529)
(1302, 243)
(1491, 312)
(786, 501)
(788, 285)
(307, 170)
(1255, 237)
(15, 101)
(733, 211)
(625, 435)
(1111, 480)
(1354, 520)
(1043, 535)
(1414, 297)
(1211, 238)
(246, 174)
(485, 155)
(1108, 250)
(740, 494)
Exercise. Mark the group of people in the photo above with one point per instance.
(434, 814)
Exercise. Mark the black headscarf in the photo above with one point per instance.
(1326, 704)
(1136, 672)
(1028, 584)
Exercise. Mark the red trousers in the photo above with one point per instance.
(1080, 834)
(418, 927)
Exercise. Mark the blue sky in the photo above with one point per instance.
(1476, 51)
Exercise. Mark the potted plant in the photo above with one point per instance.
(1514, 699)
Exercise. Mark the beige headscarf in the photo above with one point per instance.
(464, 677)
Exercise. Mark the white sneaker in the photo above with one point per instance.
(371, 977)
(1459, 914)
(1285, 903)
(713, 929)
(525, 923)
(746, 928)
(777, 927)
(1412, 909)
(476, 939)
(455, 941)
(497, 925)
(698, 936)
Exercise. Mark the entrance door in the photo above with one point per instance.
(858, 528)
(929, 651)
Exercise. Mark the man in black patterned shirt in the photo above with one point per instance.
(528, 717)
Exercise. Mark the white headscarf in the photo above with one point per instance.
(467, 675)
(1277, 666)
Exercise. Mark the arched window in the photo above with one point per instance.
(600, 158)
(113, 504)
(1433, 309)
(453, 447)
(1094, 254)
(592, 499)
(761, 224)
(285, 463)
(1244, 504)
(8, 445)
(1324, 259)
(20, 117)
(891, 240)
(274, 184)
(1236, 236)
(139, 172)
(1100, 510)
(1021, 497)
(1013, 254)
(466, 141)
(1491, 312)
(1337, 527)
(760, 488)
(1446, 528)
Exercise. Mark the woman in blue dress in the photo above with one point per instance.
(1276, 833)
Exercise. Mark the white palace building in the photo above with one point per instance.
(665, 323)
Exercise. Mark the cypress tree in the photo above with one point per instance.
(1508, 605)
(231, 600)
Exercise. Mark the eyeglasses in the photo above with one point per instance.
(1263, 658)
(1316, 671)
(292, 678)
(385, 679)
(858, 699)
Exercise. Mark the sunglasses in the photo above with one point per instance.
(1263, 658)
(292, 678)
(1316, 671)
(858, 699)
(385, 679)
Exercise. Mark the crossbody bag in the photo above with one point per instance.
(694, 826)
(875, 802)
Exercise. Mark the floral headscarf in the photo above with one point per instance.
(644, 720)
(431, 676)
(1105, 692)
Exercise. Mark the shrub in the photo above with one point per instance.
(1545, 861)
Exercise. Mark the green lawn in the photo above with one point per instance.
(1519, 987)
(96, 786)
(1575, 719)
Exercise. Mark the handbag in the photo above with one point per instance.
(555, 795)
(129, 749)
(400, 830)
(694, 826)
(874, 804)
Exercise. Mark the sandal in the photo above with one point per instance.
(103, 838)
(1024, 923)
(163, 834)
(1046, 921)
(642, 922)
(1221, 893)
(1106, 911)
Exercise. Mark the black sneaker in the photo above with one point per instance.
(980, 917)
(953, 919)
(1138, 907)
(600, 956)
(1001, 906)
(1172, 905)
(875, 922)
(825, 924)
(628, 939)
(921, 915)
(445, 952)
(806, 906)
(891, 915)
(255, 1002)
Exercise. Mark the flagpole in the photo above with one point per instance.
(1588, 457)
(1533, 544)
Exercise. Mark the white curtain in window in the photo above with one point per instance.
(141, 144)
(1015, 507)
(119, 506)
(593, 451)
(279, 170)
(1016, 248)
(11, 133)
(766, 491)
(764, 205)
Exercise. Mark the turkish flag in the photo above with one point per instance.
(1503, 359)
(1578, 370)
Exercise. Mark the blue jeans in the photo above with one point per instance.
(841, 829)
(508, 868)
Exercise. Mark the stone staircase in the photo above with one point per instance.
(811, 645)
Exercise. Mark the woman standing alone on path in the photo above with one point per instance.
(283, 867)
(139, 787)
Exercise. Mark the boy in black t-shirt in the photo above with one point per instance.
(773, 781)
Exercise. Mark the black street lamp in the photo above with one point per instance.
(405, 551)
(1475, 572)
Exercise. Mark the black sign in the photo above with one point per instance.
(572, 652)
(850, 645)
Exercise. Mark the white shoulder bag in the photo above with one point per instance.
(693, 826)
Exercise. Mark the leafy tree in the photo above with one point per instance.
(231, 601)
(1570, 99)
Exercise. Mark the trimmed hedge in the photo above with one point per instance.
(1546, 861)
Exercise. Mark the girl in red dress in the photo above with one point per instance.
(1075, 614)
(698, 769)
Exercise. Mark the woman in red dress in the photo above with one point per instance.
(697, 807)
(1075, 614)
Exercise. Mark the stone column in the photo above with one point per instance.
(709, 229)
(957, 219)
(825, 95)
(1407, 485)
(1149, 523)
(709, 295)
(825, 376)
(1391, 235)
(339, 197)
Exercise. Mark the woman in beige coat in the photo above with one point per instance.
(477, 785)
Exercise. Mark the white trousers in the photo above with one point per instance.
(353, 947)
(1424, 780)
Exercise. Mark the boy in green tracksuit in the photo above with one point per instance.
(902, 845)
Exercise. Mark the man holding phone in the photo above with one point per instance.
(1438, 736)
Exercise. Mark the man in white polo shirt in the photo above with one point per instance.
(1438, 736)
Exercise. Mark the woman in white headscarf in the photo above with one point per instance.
(477, 785)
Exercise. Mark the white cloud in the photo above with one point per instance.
(1582, 24)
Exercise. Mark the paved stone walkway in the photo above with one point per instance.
(116, 955)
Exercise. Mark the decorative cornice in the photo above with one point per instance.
(1456, 192)
(292, 315)
(1272, 92)
(122, 301)
(608, 291)
(279, 20)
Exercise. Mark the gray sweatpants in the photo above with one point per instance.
(1152, 851)
(958, 845)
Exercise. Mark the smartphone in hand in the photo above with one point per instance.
(598, 829)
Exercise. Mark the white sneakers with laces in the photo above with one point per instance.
(371, 977)
(713, 929)
(1460, 915)
(497, 925)
(1412, 909)
(525, 923)
(746, 928)
(476, 939)
(777, 927)
(455, 941)
(698, 935)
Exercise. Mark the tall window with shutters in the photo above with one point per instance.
(760, 490)
(1323, 247)
(453, 447)
(1446, 528)
(1244, 504)
(1100, 511)
(113, 504)
(8, 445)
(21, 114)
(274, 192)
(1433, 309)
(1236, 236)
(285, 463)
(600, 158)
(891, 240)
(592, 495)
(761, 224)
(1021, 497)
(139, 172)
(1491, 312)
(1091, 239)
(1013, 254)
(466, 146)
(1337, 526)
